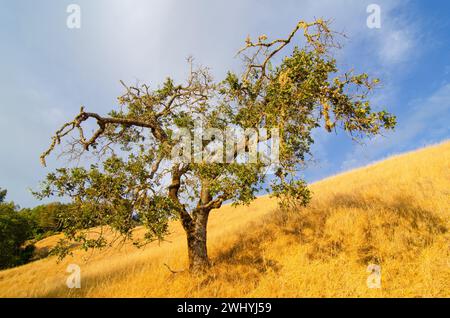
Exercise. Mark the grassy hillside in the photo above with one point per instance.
(395, 213)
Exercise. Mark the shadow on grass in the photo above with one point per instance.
(401, 221)
(244, 260)
(403, 206)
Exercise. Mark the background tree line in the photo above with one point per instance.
(21, 228)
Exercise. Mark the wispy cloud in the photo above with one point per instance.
(396, 46)
(425, 123)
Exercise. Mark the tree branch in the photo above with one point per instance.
(102, 122)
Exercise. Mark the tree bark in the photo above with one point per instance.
(196, 241)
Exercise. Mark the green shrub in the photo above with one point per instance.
(15, 230)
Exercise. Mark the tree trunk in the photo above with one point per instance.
(196, 241)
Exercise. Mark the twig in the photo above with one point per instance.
(171, 270)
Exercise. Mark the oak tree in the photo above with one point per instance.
(292, 84)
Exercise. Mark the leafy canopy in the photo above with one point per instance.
(292, 84)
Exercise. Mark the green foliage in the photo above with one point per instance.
(302, 92)
(46, 219)
(15, 230)
(20, 228)
(292, 194)
(2, 195)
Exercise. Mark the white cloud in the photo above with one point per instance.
(426, 123)
(396, 47)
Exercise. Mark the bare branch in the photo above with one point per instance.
(321, 40)
(102, 122)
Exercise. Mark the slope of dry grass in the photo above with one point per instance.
(395, 213)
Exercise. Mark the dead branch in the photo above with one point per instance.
(172, 271)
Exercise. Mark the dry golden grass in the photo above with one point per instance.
(394, 213)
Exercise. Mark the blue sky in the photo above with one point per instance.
(47, 70)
